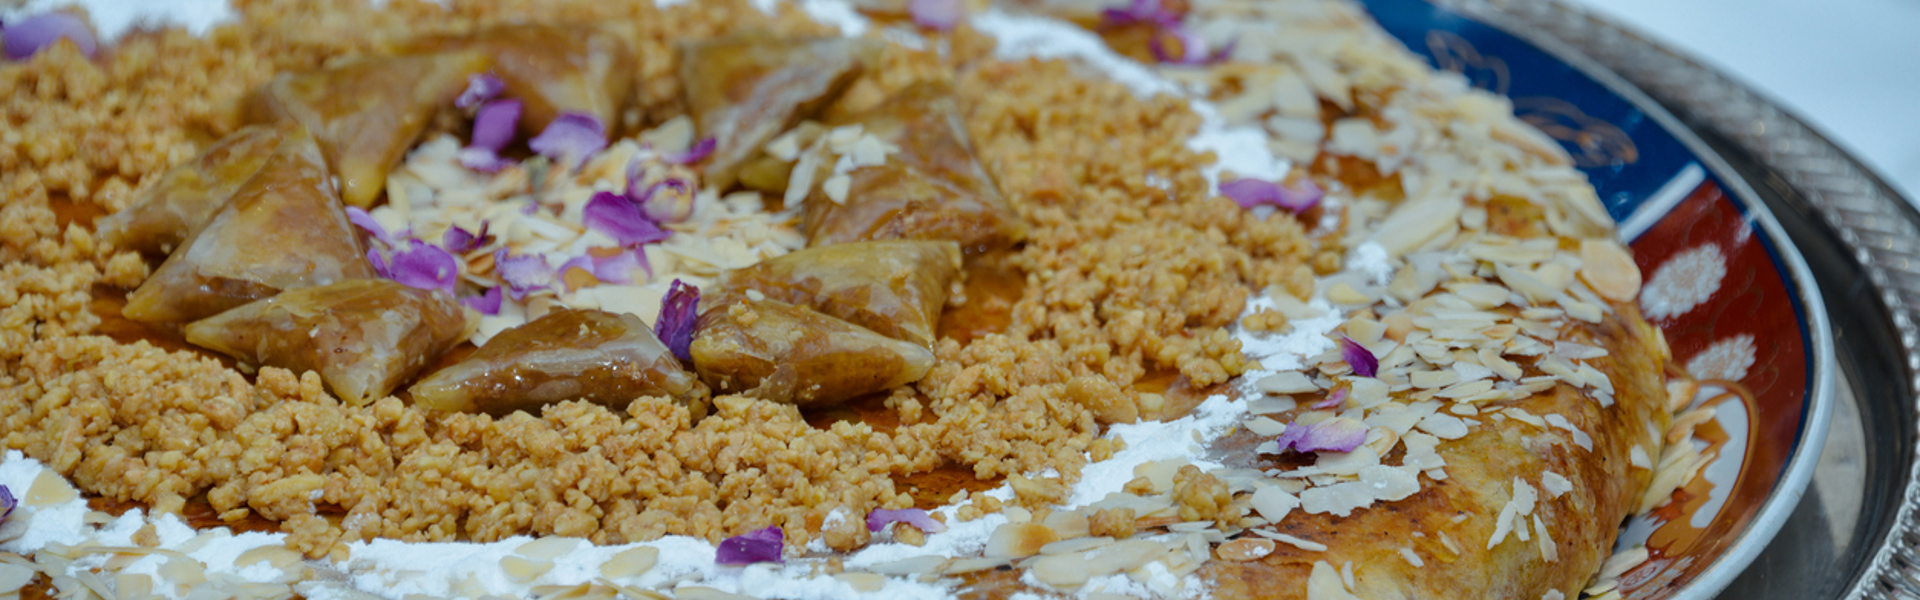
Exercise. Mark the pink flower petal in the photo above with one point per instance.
(753, 547)
(936, 14)
(481, 87)
(1337, 434)
(669, 200)
(621, 219)
(360, 218)
(482, 160)
(423, 266)
(487, 303)
(32, 34)
(699, 152)
(1364, 363)
(523, 274)
(678, 314)
(570, 139)
(460, 241)
(1254, 192)
(7, 502)
(620, 268)
(880, 518)
(494, 124)
(1148, 12)
(1333, 399)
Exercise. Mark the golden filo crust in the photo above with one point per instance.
(1481, 470)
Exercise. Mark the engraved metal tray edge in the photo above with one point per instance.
(1861, 226)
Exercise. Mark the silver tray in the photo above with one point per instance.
(1856, 532)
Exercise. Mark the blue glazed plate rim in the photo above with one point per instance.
(1816, 331)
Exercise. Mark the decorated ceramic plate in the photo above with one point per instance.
(1749, 342)
(1724, 283)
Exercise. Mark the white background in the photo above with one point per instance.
(1850, 68)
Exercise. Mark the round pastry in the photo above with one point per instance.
(1229, 299)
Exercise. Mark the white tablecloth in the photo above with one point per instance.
(1850, 68)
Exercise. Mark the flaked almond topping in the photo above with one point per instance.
(1244, 549)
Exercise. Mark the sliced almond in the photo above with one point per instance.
(1609, 269)
(1244, 549)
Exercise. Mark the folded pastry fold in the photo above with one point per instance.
(896, 288)
(778, 351)
(931, 187)
(567, 354)
(190, 192)
(367, 112)
(744, 90)
(363, 336)
(284, 229)
(551, 69)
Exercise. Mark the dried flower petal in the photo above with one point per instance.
(487, 303)
(1254, 192)
(481, 87)
(460, 241)
(494, 124)
(669, 200)
(482, 160)
(757, 546)
(1364, 363)
(1333, 399)
(881, 517)
(420, 266)
(699, 152)
(1336, 434)
(570, 139)
(523, 274)
(1140, 12)
(365, 221)
(30, 35)
(7, 502)
(678, 314)
(621, 219)
(936, 14)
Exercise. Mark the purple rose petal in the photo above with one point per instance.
(460, 241)
(481, 87)
(881, 517)
(482, 160)
(669, 200)
(1336, 434)
(1364, 363)
(523, 274)
(570, 139)
(753, 547)
(7, 502)
(1147, 12)
(619, 268)
(1254, 192)
(487, 303)
(678, 313)
(699, 152)
(494, 124)
(422, 266)
(29, 36)
(941, 15)
(1333, 399)
(621, 219)
(365, 221)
